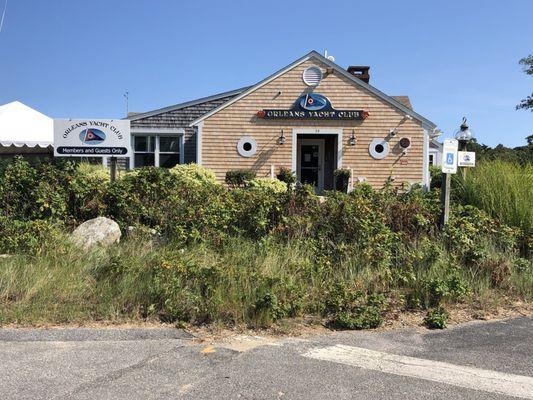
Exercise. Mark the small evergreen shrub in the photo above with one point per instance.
(436, 318)
(287, 176)
(239, 178)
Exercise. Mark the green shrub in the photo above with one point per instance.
(287, 176)
(436, 318)
(194, 174)
(87, 188)
(18, 237)
(268, 184)
(239, 178)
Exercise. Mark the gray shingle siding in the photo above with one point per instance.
(181, 118)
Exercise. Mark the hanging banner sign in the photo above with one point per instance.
(92, 138)
(449, 156)
(466, 159)
(312, 106)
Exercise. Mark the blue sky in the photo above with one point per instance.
(453, 58)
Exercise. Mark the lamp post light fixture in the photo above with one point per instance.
(463, 135)
(281, 139)
(352, 140)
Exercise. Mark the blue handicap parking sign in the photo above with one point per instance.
(449, 158)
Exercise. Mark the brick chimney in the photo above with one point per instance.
(360, 71)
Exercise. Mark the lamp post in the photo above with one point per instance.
(464, 135)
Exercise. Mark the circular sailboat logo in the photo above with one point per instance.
(92, 136)
(313, 102)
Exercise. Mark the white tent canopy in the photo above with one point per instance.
(21, 126)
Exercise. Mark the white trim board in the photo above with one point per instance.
(315, 131)
(158, 131)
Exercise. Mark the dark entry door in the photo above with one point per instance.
(311, 163)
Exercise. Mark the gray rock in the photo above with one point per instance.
(98, 231)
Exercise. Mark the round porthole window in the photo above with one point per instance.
(247, 146)
(378, 149)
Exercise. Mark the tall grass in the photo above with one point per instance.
(502, 189)
(241, 282)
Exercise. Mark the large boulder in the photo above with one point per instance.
(98, 231)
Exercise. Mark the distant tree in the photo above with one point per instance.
(520, 154)
(527, 63)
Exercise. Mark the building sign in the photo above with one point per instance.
(312, 106)
(92, 138)
(449, 156)
(466, 159)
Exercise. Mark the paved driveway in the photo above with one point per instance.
(481, 360)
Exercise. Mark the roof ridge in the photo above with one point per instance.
(185, 104)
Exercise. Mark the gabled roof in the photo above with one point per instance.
(179, 106)
(21, 125)
(314, 54)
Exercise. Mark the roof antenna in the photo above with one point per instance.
(127, 97)
(330, 58)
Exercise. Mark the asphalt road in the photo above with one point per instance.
(482, 360)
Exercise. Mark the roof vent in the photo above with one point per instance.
(360, 71)
(312, 76)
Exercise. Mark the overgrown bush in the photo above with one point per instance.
(252, 254)
(239, 177)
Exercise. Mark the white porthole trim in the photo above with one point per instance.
(247, 146)
(379, 149)
(312, 75)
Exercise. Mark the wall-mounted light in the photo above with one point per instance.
(352, 140)
(281, 139)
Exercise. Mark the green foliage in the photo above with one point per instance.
(527, 63)
(287, 176)
(27, 236)
(352, 309)
(436, 318)
(268, 184)
(522, 155)
(249, 255)
(505, 192)
(171, 203)
(194, 174)
(239, 178)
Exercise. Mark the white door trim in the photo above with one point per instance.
(320, 144)
(315, 131)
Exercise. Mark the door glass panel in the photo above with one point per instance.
(169, 144)
(309, 164)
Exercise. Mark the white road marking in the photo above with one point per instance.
(451, 374)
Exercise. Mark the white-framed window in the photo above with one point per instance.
(160, 149)
(431, 159)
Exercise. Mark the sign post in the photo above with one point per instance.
(93, 138)
(449, 166)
